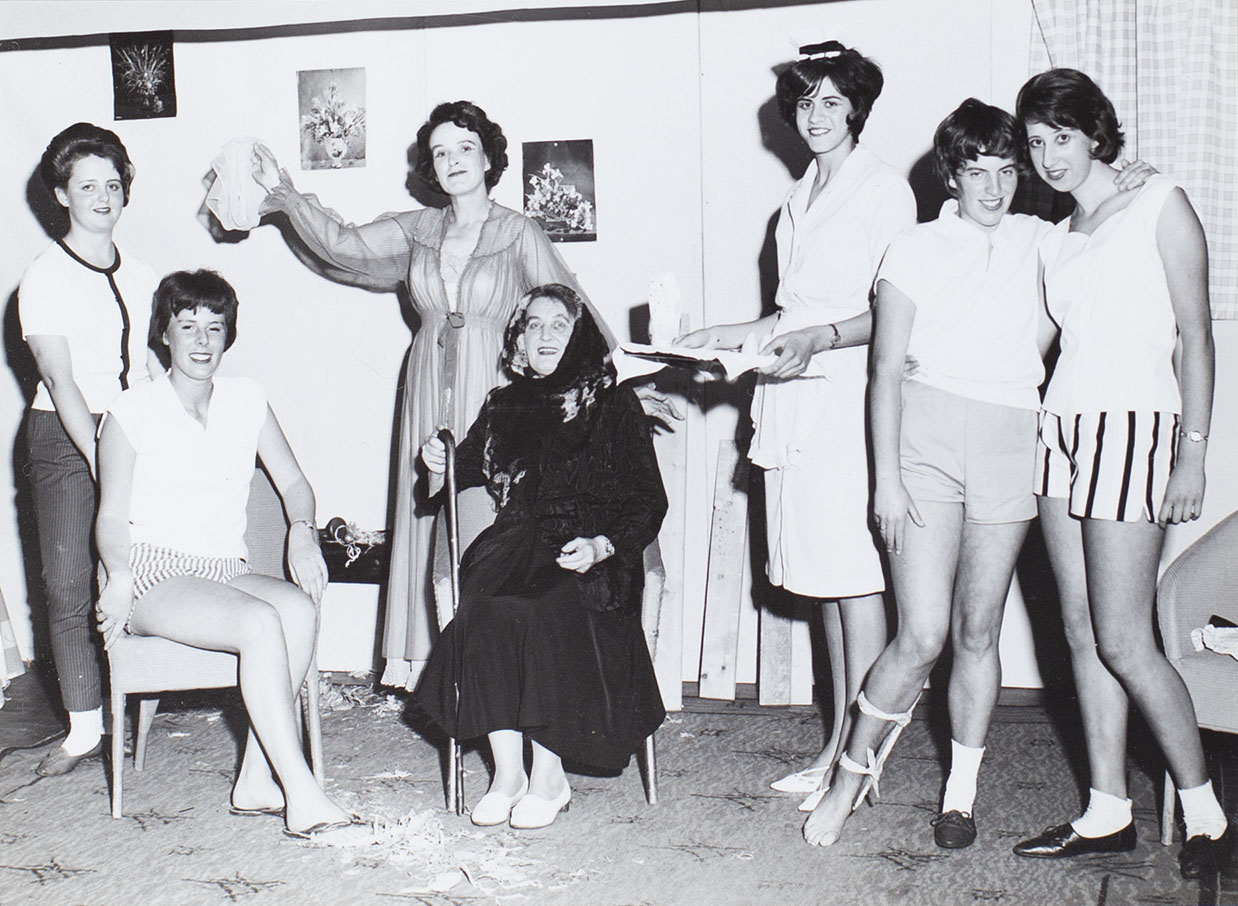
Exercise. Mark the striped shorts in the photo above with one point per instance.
(1109, 465)
(151, 565)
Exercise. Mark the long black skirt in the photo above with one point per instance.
(528, 656)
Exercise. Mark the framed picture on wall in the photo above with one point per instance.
(559, 189)
(331, 103)
(143, 75)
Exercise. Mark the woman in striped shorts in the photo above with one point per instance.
(1123, 434)
(176, 458)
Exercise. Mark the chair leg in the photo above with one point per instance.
(651, 771)
(118, 749)
(146, 716)
(455, 777)
(313, 722)
(1168, 804)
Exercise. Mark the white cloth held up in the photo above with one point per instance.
(235, 195)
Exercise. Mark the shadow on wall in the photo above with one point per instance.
(930, 193)
(52, 217)
(425, 195)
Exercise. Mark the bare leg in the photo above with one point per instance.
(855, 633)
(219, 617)
(1102, 702)
(507, 747)
(923, 582)
(986, 564)
(1122, 560)
(255, 787)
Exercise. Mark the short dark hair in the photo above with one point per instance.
(973, 129)
(188, 291)
(466, 115)
(1069, 99)
(84, 140)
(855, 75)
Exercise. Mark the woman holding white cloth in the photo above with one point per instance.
(810, 433)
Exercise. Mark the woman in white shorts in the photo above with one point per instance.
(1123, 438)
(176, 458)
(952, 452)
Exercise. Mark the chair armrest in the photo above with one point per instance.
(1202, 581)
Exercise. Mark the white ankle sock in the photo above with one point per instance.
(1106, 814)
(960, 793)
(1201, 811)
(85, 728)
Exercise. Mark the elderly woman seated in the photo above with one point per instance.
(176, 457)
(547, 642)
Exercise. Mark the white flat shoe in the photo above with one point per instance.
(534, 811)
(808, 780)
(495, 808)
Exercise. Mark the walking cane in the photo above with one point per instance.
(455, 764)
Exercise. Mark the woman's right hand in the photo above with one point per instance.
(892, 505)
(115, 603)
(434, 455)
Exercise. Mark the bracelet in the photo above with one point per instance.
(837, 338)
(308, 523)
(608, 548)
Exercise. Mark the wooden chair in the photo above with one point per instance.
(149, 666)
(476, 511)
(1202, 581)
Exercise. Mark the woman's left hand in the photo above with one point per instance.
(305, 563)
(1132, 175)
(1184, 496)
(658, 405)
(794, 350)
(580, 554)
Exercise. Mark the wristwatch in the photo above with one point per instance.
(1194, 436)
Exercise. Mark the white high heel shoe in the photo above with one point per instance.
(808, 780)
(535, 811)
(495, 808)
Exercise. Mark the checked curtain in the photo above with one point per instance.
(1171, 69)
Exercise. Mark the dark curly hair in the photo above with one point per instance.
(974, 129)
(188, 291)
(1069, 99)
(466, 115)
(855, 75)
(84, 140)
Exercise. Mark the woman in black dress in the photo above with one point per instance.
(547, 642)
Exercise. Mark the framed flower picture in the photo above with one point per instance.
(559, 189)
(143, 75)
(331, 103)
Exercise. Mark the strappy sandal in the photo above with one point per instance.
(876, 760)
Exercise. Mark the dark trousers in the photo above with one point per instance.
(64, 509)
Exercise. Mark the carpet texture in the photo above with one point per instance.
(719, 835)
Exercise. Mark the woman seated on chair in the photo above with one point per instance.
(176, 457)
(547, 641)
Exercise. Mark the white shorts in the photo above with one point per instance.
(1109, 465)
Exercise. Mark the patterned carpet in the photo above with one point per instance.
(718, 836)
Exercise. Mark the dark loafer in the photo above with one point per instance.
(1201, 855)
(1062, 842)
(954, 830)
(58, 761)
